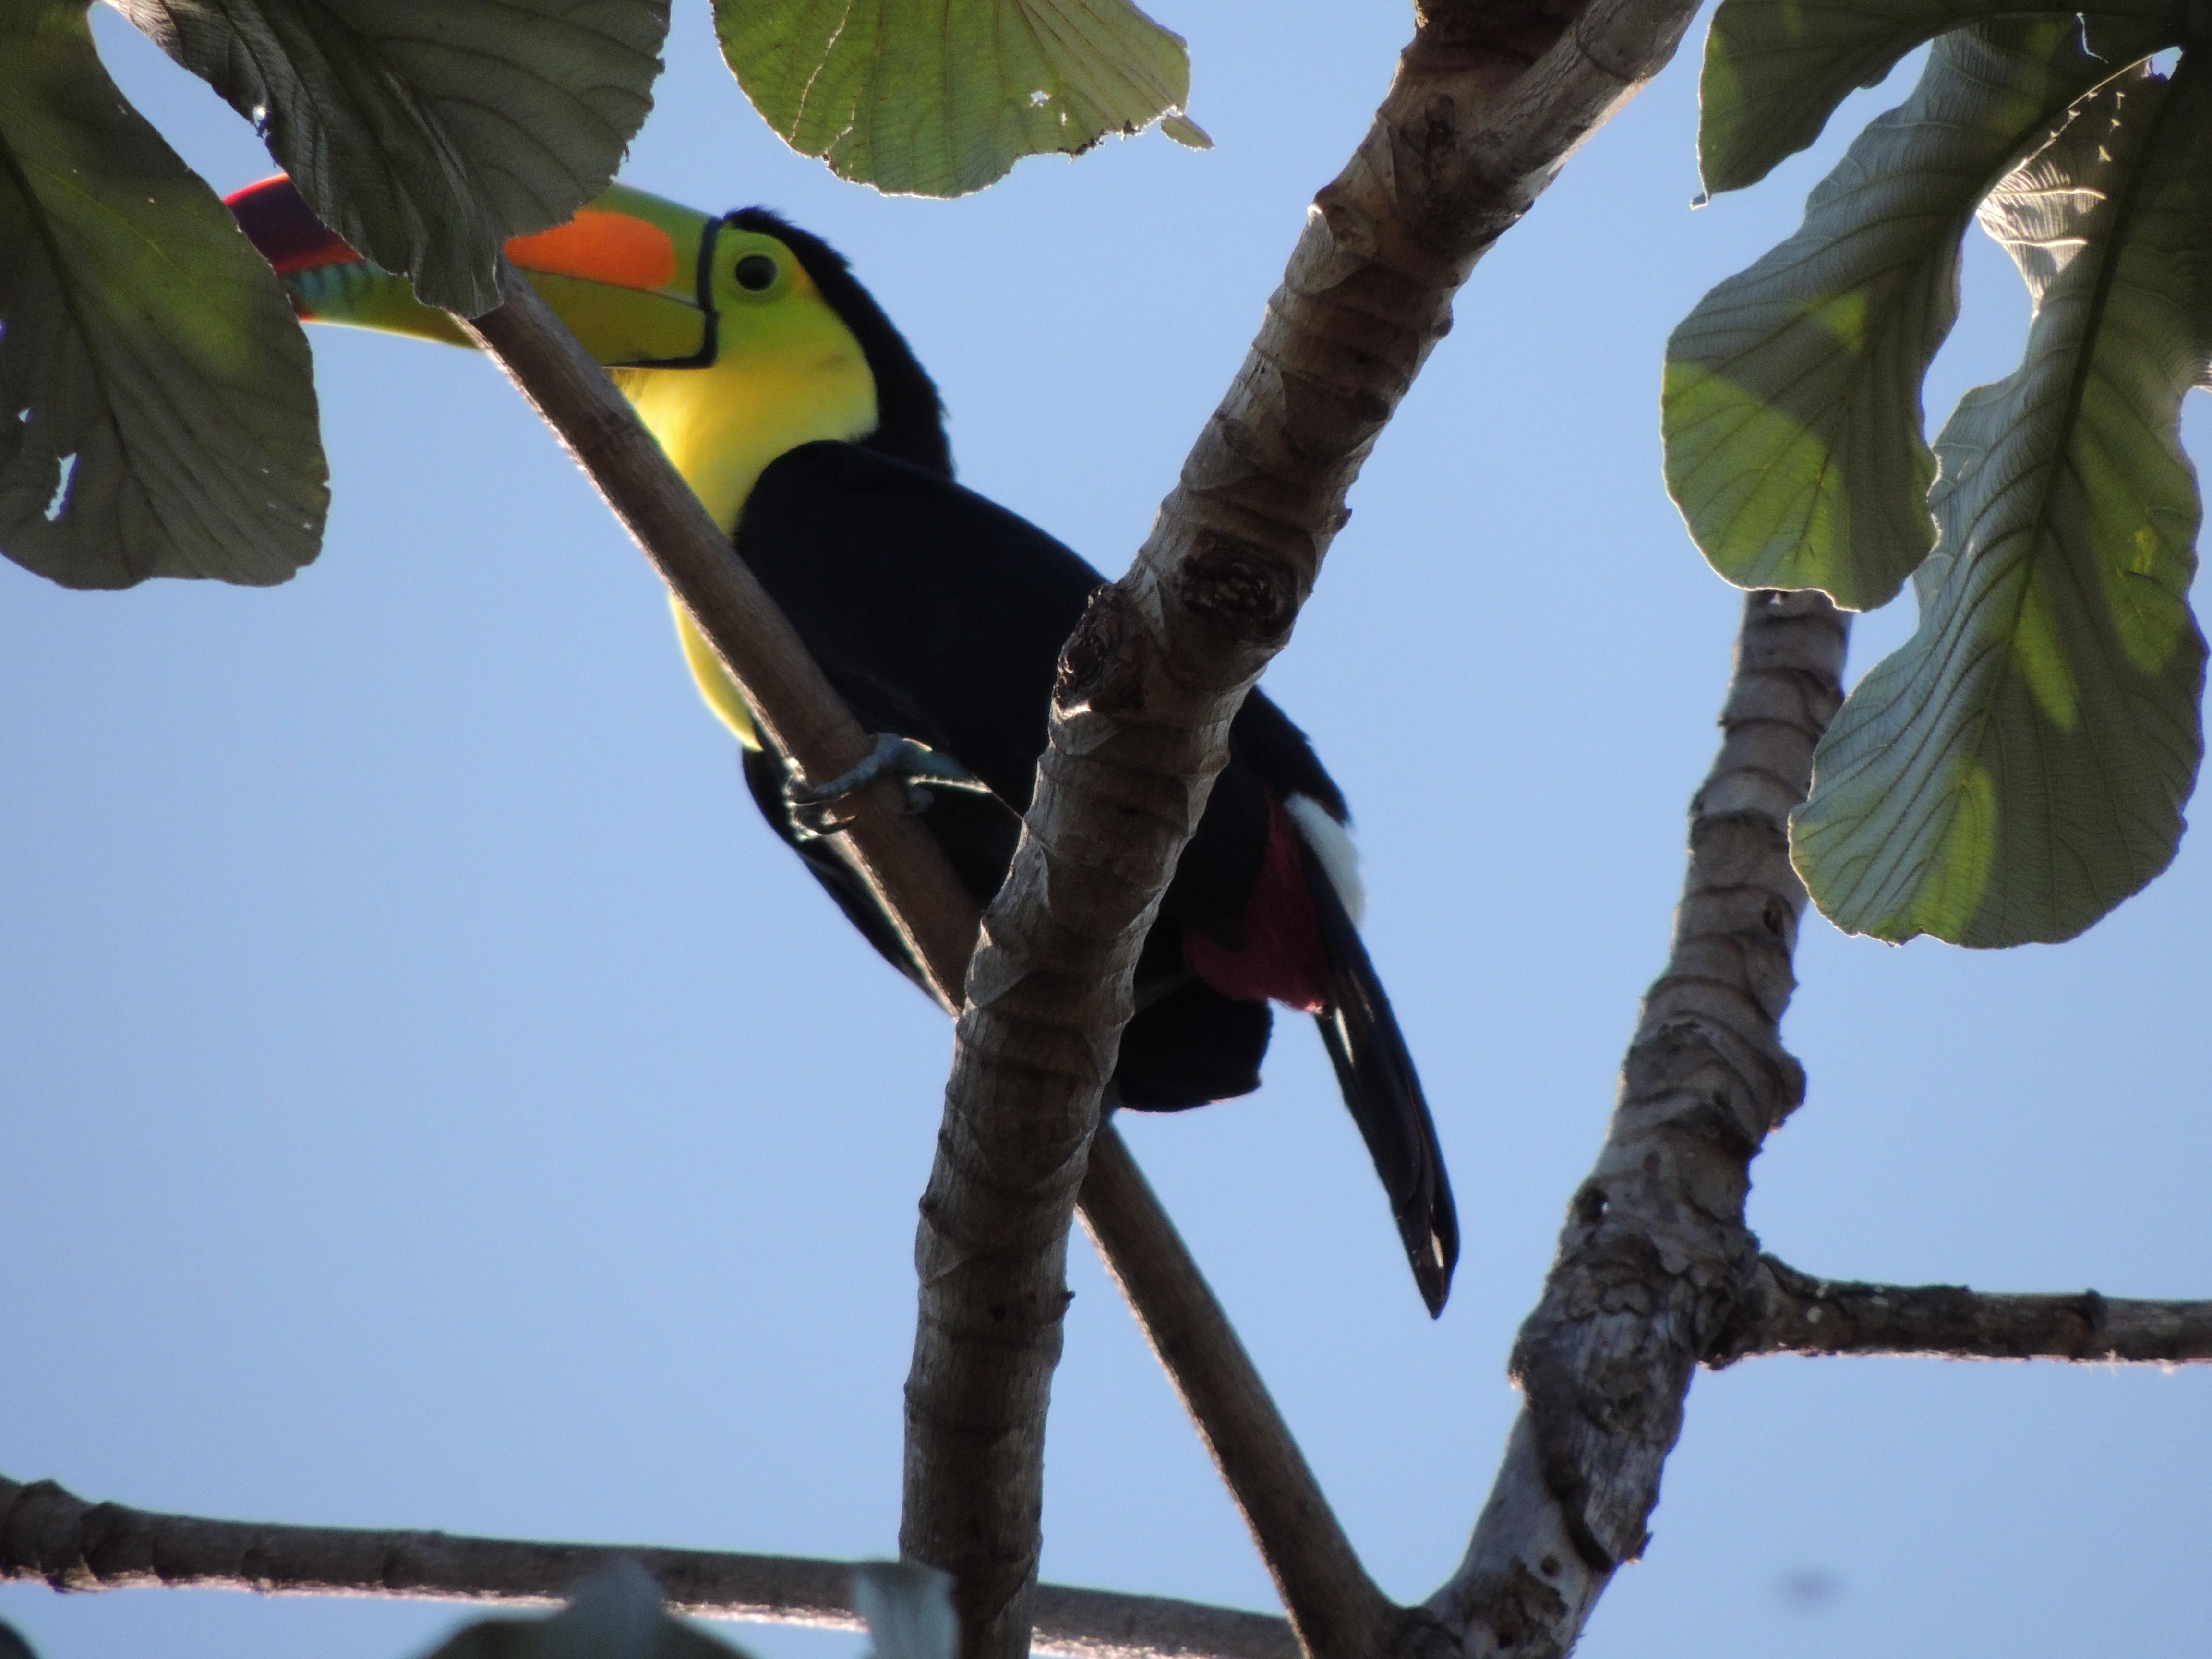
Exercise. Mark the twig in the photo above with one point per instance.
(802, 715)
(49, 1534)
(1656, 1253)
(1784, 1311)
(1489, 102)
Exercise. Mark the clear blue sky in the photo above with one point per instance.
(435, 1100)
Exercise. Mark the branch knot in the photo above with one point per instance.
(1087, 661)
(1240, 587)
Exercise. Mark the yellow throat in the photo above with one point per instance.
(722, 425)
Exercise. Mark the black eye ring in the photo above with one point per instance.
(755, 273)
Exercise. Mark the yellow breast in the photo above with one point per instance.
(722, 425)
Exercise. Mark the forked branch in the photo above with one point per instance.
(1656, 1253)
(1489, 102)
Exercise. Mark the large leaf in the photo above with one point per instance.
(1792, 406)
(2020, 767)
(941, 97)
(427, 132)
(1776, 70)
(157, 411)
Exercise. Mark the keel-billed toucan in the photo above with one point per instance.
(794, 410)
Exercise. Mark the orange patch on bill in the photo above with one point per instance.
(600, 247)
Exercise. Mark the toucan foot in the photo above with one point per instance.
(814, 809)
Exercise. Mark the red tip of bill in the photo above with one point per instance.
(285, 229)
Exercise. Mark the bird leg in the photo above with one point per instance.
(813, 810)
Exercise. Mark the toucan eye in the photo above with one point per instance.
(756, 273)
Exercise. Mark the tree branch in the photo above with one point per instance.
(790, 696)
(51, 1535)
(1784, 1311)
(1488, 100)
(803, 716)
(1304, 1548)
(1656, 1253)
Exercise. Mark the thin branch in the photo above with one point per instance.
(793, 702)
(51, 1535)
(1784, 1311)
(1656, 1253)
(1304, 1547)
(1488, 100)
(803, 716)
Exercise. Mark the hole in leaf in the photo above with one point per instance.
(61, 490)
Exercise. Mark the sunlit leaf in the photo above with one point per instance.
(615, 1613)
(427, 132)
(157, 411)
(940, 98)
(1792, 406)
(1776, 70)
(2020, 767)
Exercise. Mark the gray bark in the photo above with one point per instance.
(1656, 1256)
(1784, 1311)
(1487, 104)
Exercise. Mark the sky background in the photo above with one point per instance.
(434, 1099)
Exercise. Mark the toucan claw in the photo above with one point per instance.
(814, 809)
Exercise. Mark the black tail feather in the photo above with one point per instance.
(1383, 1093)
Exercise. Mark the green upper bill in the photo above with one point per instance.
(623, 275)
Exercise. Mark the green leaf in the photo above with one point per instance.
(157, 408)
(615, 1613)
(1792, 405)
(2020, 767)
(1776, 70)
(940, 98)
(427, 132)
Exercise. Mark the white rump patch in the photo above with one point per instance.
(1332, 845)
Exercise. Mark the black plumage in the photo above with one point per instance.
(939, 616)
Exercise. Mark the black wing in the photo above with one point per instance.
(939, 615)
